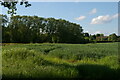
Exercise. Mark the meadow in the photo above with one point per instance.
(94, 61)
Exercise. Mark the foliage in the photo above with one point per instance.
(26, 29)
(34, 29)
(11, 5)
(47, 60)
(100, 38)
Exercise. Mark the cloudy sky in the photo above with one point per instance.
(94, 17)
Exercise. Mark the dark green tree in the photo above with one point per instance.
(11, 5)
(35, 29)
(6, 35)
(86, 34)
(112, 37)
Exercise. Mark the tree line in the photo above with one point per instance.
(101, 38)
(34, 29)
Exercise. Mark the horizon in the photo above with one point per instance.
(96, 18)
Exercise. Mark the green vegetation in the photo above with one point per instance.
(83, 61)
(11, 5)
(46, 60)
(34, 29)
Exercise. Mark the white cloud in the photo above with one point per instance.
(93, 11)
(76, 0)
(86, 31)
(103, 19)
(97, 32)
(80, 18)
(116, 15)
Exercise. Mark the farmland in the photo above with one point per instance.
(48, 60)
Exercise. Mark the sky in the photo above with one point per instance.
(94, 17)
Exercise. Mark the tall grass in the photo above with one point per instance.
(83, 61)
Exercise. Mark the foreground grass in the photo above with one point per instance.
(83, 61)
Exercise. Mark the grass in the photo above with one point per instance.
(83, 61)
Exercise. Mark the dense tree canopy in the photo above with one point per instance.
(34, 29)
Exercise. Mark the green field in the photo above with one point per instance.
(47, 60)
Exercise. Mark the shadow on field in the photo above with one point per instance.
(97, 72)
(92, 71)
(85, 72)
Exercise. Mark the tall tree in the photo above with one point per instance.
(36, 29)
(11, 5)
(112, 37)
(5, 30)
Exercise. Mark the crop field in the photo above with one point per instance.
(46, 60)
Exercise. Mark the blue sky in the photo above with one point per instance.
(94, 17)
